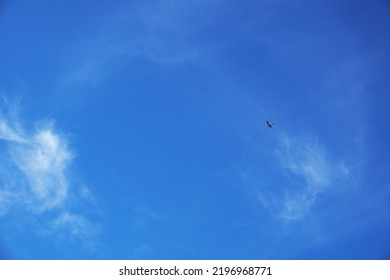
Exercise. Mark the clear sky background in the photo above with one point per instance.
(136, 129)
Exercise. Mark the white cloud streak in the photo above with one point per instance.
(34, 174)
(77, 226)
(43, 161)
(310, 172)
(8, 134)
(157, 32)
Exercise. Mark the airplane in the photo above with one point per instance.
(270, 124)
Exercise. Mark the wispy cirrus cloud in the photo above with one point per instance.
(310, 171)
(77, 226)
(34, 168)
(43, 158)
(157, 32)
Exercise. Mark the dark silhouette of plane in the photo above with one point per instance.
(270, 124)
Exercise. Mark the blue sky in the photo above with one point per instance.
(136, 129)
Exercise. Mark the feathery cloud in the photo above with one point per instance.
(77, 226)
(310, 171)
(155, 32)
(34, 173)
(43, 160)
